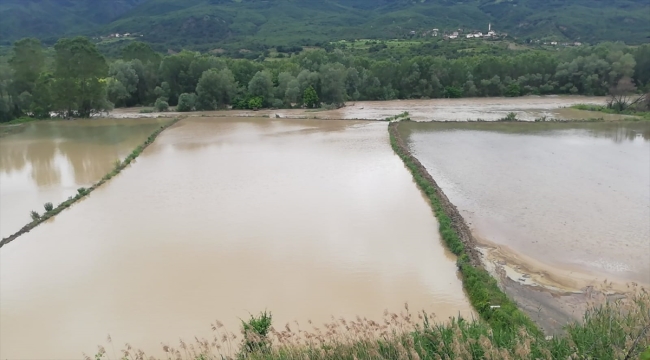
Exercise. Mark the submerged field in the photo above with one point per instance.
(559, 205)
(223, 217)
(47, 161)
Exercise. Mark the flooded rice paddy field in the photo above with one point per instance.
(48, 161)
(220, 218)
(564, 204)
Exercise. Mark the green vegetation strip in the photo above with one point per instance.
(634, 114)
(83, 192)
(492, 304)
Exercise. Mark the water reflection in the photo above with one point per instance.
(48, 161)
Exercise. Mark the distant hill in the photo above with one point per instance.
(53, 18)
(246, 23)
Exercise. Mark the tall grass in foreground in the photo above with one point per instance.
(612, 330)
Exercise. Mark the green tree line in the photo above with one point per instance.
(77, 81)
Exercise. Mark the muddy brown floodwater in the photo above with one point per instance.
(48, 161)
(563, 205)
(224, 217)
(527, 108)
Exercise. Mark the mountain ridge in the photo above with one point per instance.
(191, 23)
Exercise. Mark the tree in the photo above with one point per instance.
(262, 85)
(27, 62)
(216, 89)
(43, 102)
(333, 83)
(284, 78)
(116, 91)
(292, 93)
(310, 98)
(513, 90)
(161, 105)
(623, 95)
(453, 92)
(186, 102)
(78, 72)
(140, 51)
(122, 84)
(163, 91)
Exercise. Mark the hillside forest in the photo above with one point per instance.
(74, 79)
(206, 25)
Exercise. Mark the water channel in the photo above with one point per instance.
(218, 219)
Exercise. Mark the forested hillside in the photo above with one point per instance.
(251, 23)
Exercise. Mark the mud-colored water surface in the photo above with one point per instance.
(488, 109)
(220, 218)
(48, 161)
(564, 205)
(526, 108)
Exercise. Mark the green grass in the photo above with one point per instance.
(20, 120)
(643, 115)
(82, 192)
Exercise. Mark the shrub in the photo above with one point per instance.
(255, 333)
(35, 216)
(255, 103)
(48, 206)
(146, 111)
(510, 117)
(82, 191)
(277, 103)
(513, 90)
(453, 92)
(310, 98)
(186, 102)
(161, 105)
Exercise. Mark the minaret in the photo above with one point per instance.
(489, 26)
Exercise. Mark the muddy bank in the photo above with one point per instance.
(551, 309)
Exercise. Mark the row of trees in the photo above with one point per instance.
(76, 80)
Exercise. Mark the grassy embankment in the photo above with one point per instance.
(640, 115)
(616, 330)
(51, 211)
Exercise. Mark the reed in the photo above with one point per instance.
(609, 330)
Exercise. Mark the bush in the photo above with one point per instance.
(453, 92)
(310, 98)
(510, 117)
(255, 103)
(277, 103)
(255, 333)
(35, 216)
(82, 191)
(48, 206)
(513, 90)
(161, 105)
(186, 102)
